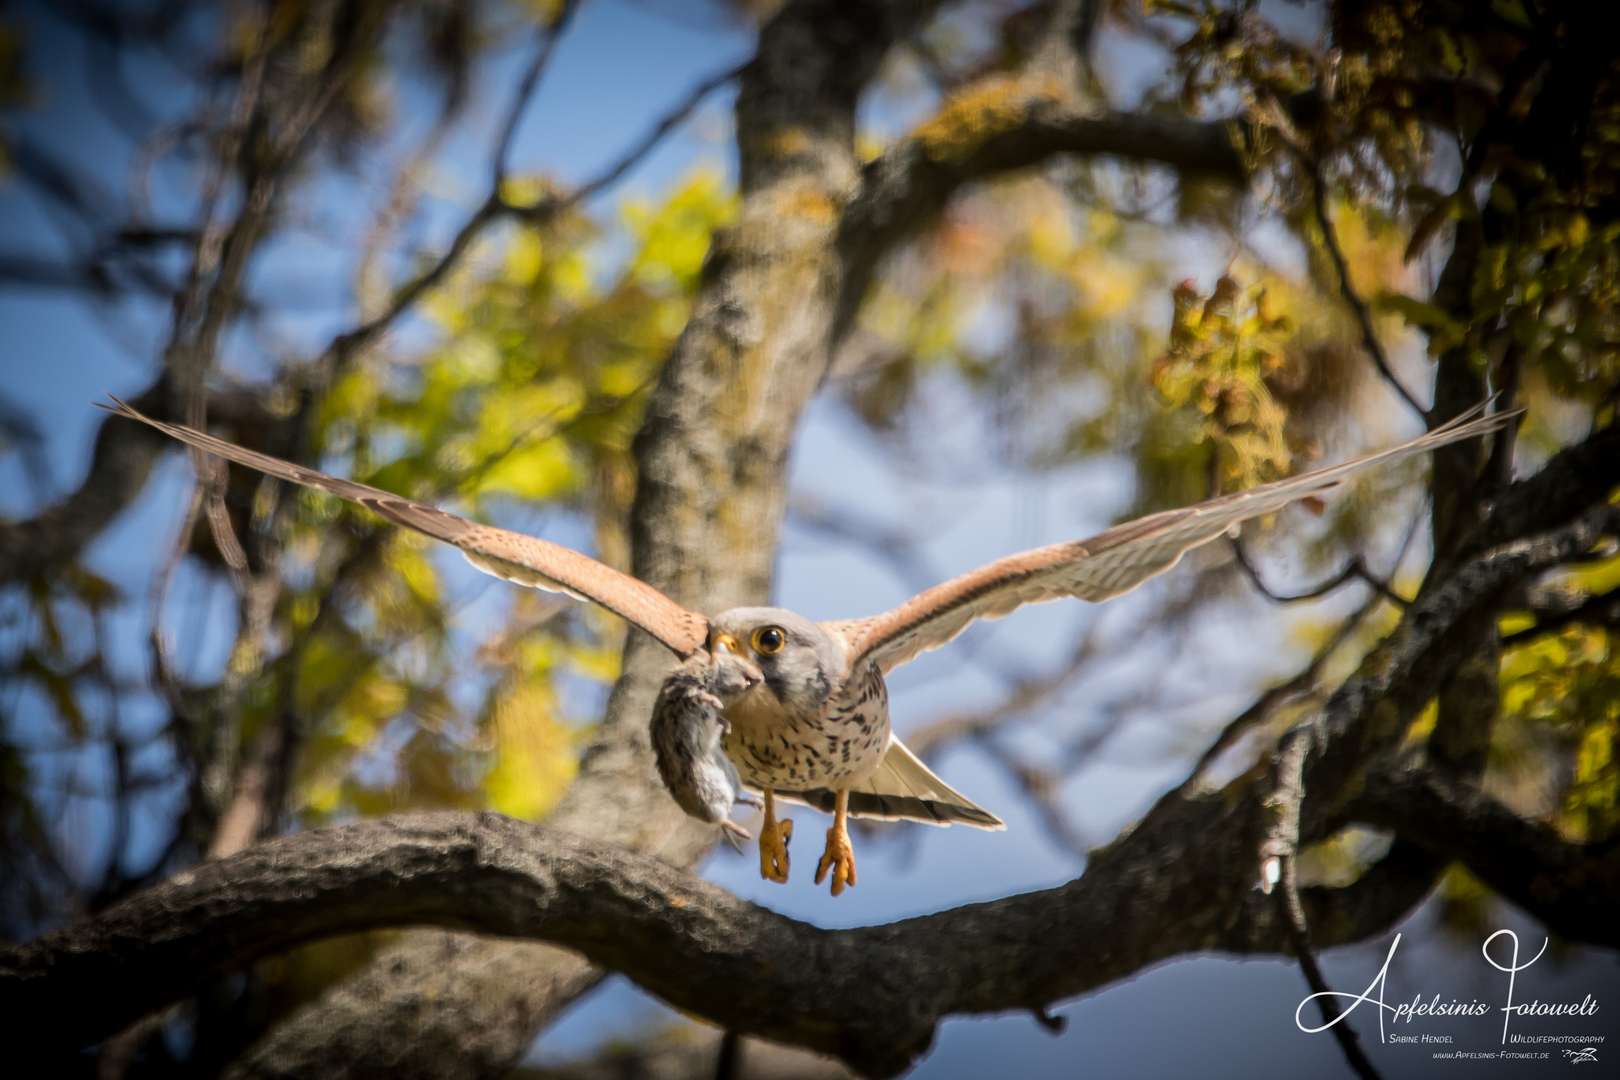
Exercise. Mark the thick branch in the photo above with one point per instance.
(1180, 881)
(870, 995)
(992, 127)
(1600, 610)
(1367, 711)
(1573, 480)
(1573, 888)
(711, 457)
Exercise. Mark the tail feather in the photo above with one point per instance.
(905, 789)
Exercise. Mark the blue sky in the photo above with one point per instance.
(615, 74)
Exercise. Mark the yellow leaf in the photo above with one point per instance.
(535, 760)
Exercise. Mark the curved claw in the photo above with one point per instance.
(773, 854)
(735, 834)
(840, 855)
(773, 841)
(838, 858)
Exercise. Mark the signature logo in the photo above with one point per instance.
(1582, 1057)
(1407, 1011)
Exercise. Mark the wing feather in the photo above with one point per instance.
(904, 789)
(526, 560)
(1108, 564)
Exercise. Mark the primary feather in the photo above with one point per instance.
(515, 557)
(1108, 564)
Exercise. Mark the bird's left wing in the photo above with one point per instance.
(1106, 565)
(526, 560)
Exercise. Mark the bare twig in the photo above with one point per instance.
(1354, 570)
(897, 548)
(494, 208)
(1349, 1041)
(1600, 610)
(1347, 289)
(1278, 854)
(728, 1064)
(1302, 683)
(1027, 694)
(547, 210)
(549, 37)
(1296, 687)
(1276, 118)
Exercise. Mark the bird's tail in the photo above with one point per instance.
(903, 789)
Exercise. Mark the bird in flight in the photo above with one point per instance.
(798, 710)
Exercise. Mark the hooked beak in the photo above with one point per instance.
(752, 676)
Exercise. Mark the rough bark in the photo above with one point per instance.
(871, 995)
(709, 503)
(779, 289)
(1182, 880)
(1571, 888)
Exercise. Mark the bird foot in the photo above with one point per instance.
(839, 858)
(773, 855)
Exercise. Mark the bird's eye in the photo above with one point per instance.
(768, 640)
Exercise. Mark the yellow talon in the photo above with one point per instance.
(773, 841)
(840, 855)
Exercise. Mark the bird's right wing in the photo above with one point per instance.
(526, 560)
(1108, 564)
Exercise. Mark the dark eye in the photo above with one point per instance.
(768, 640)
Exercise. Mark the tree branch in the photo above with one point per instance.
(710, 491)
(1354, 570)
(871, 995)
(495, 207)
(119, 465)
(1572, 888)
(1600, 610)
(703, 949)
(547, 47)
(994, 126)
(1180, 881)
(1572, 481)
(1347, 288)
(1372, 707)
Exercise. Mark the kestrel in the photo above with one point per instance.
(799, 708)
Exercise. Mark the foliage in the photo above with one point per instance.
(532, 394)
(1561, 694)
(1222, 354)
(1437, 179)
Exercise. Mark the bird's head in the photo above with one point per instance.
(801, 662)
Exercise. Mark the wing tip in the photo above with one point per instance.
(119, 407)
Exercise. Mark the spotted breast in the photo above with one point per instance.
(841, 743)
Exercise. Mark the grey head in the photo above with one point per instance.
(802, 663)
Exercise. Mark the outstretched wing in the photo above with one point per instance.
(525, 560)
(1107, 564)
(902, 789)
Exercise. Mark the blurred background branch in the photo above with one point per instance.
(925, 284)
